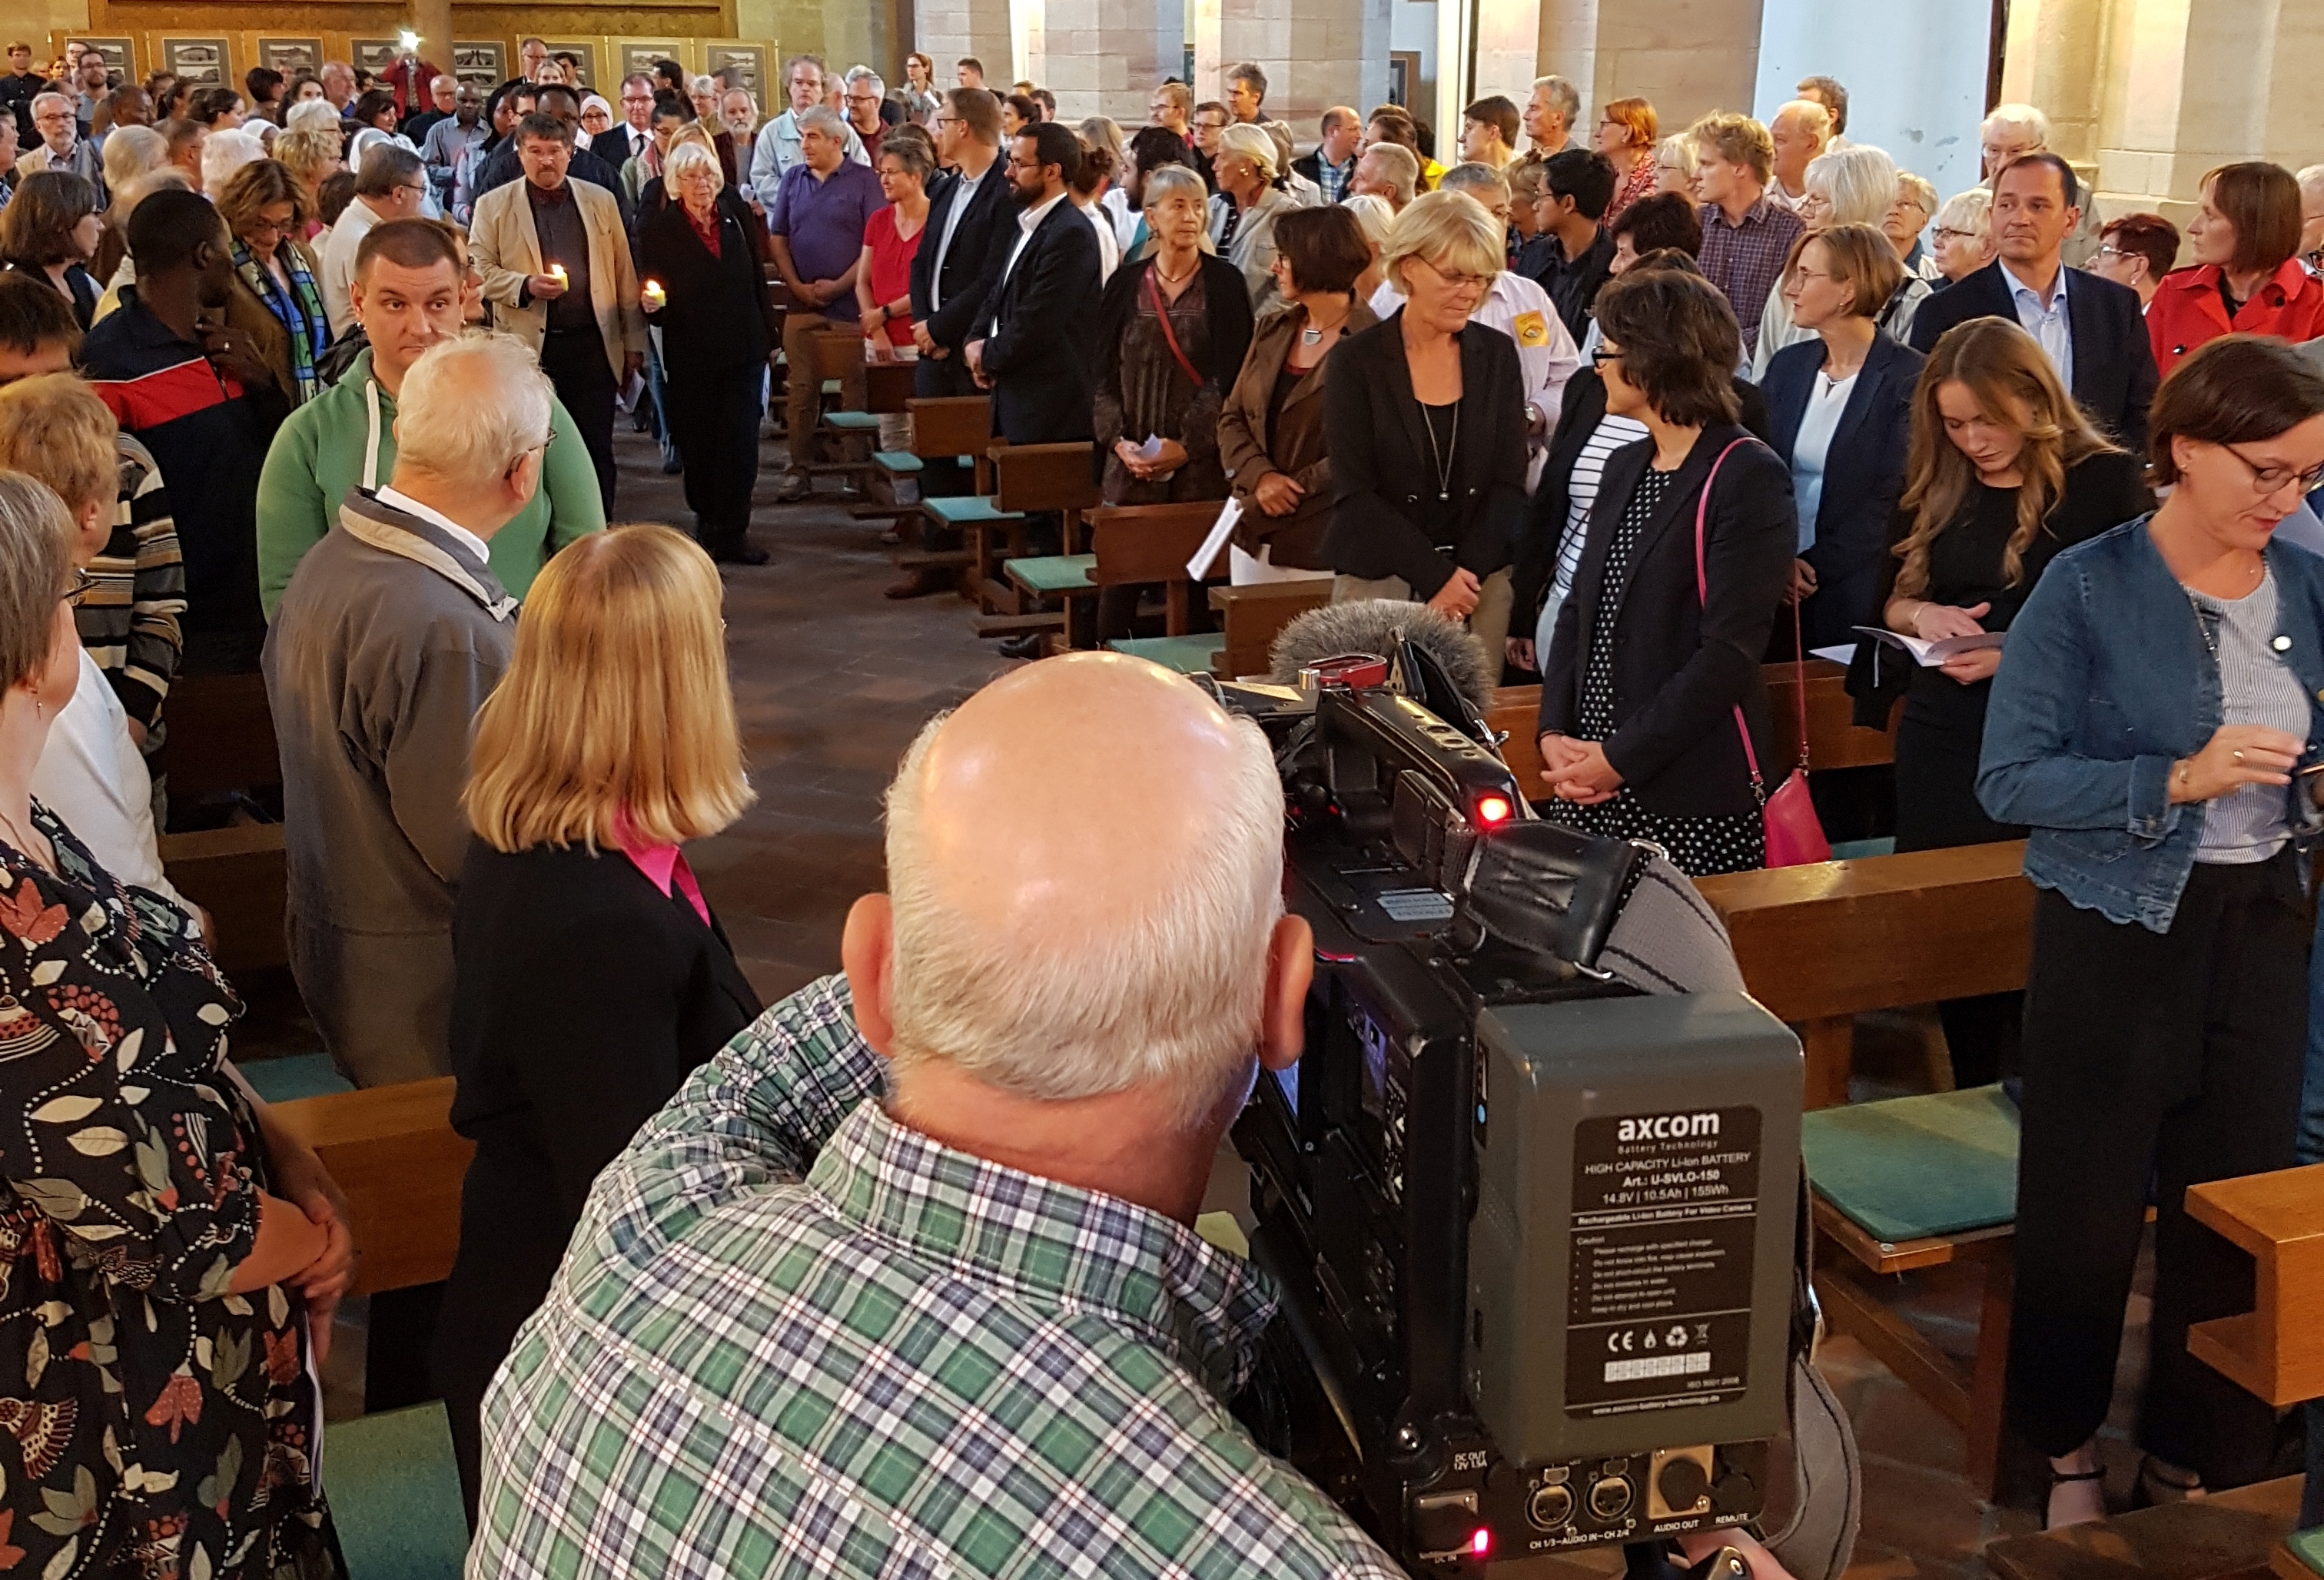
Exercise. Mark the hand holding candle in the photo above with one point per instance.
(655, 296)
(549, 286)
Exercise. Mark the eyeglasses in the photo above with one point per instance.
(80, 587)
(1603, 356)
(1459, 282)
(2270, 479)
(1946, 233)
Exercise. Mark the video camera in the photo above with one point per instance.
(1534, 1229)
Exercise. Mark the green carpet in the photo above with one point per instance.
(1912, 1167)
(395, 1495)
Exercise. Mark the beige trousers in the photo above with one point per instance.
(1488, 623)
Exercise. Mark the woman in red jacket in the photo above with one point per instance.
(2246, 277)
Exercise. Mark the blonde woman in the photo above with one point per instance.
(592, 976)
(1242, 215)
(1856, 185)
(1675, 169)
(1962, 240)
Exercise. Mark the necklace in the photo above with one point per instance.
(1444, 457)
(1177, 279)
(1312, 334)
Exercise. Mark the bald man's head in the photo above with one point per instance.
(1085, 869)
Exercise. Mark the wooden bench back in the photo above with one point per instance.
(1046, 476)
(2276, 1351)
(1147, 542)
(1255, 615)
(888, 387)
(1834, 738)
(945, 426)
(221, 737)
(238, 874)
(394, 1153)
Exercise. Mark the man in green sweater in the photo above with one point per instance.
(406, 293)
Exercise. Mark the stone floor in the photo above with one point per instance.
(832, 681)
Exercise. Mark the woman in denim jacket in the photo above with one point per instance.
(2159, 709)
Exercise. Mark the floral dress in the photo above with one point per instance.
(156, 1425)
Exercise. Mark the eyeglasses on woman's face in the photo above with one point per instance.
(80, 587)
(2270, 479)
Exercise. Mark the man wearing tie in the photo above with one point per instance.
(636, 130)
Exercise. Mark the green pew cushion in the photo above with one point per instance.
(2308, 1546)
(1913, 1166)
(1849, 850)
(965, 509)
(1189, 655)
(395, 1494)
(301, 1075)
(1051, 574)
(830, 386)
(896, 463)
(853, 421)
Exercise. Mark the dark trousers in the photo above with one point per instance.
(575, 364)
(2157, 1060)
(714, 418)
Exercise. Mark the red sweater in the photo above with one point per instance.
(2187, 311)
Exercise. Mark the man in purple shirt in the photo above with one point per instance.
(1746, 233)
(817, 221)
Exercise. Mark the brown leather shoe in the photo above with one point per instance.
(916, 584)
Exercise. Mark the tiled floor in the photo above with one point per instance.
(832, 681)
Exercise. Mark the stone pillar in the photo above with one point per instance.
(2149, 94)
(432, 20)
(1102, 57)
(949, 28)
(1684, 56)
(1316, 53)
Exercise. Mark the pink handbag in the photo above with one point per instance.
(1795, 834)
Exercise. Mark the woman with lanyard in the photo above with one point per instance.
(279, 304)
(1172, 328)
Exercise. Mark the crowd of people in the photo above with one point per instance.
(320, 381)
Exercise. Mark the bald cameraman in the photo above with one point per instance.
(982, 1333)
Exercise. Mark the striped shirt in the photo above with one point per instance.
(2256, 687)
(912, 1364)
(1582, 492)
(129, 619)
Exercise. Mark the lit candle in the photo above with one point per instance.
(656, 297)
(556, 273)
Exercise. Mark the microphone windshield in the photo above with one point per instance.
(1374, 625)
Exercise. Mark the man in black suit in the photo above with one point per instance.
(1031, 346)
(969, 230)
(965, 240)
(2091, 328)
(1031, 337)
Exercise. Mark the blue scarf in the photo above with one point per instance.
(300, 308)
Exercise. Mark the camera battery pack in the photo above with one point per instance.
(1631, 1260)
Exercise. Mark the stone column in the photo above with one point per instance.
(1316, 53)
(1102, 57)
(1685, 56)
(949, 28)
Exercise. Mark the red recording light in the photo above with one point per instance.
(1481, 1543)
(1493, 810)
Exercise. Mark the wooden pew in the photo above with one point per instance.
(2227, 1536)
(235, 874)
(220, 736)
(1027, 480)
(395, 1155)
(1130, 545)
(1820, 945)
(1834, 739)
(2276, 1350)
(945, 428)
(1253, 617)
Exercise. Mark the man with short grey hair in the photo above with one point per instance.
(1388, 170)
(861, 91)
(61, 146)
(738, 112)
(392, 184)
(1332, 165)
(1800, 131)
(779, 148)
(391, 635)
(815, 215)
(1006, 1109)
(1549, 116)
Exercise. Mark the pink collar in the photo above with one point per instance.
(665, 868)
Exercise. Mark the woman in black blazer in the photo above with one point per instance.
(1423, 418)
(1646, 675)
(1579, 448)
(591, 975)
(1842, 405)
(716, 321)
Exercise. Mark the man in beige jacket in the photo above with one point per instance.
(558, 276)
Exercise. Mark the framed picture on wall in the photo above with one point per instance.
(639, 54)
(371, 55)
(584, 51)
(289, 56)
(203, 61)
(120, 54)
(741, 64)
(481, 64)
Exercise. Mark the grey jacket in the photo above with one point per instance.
(389, 638)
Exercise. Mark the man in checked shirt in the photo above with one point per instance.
(979, 1336)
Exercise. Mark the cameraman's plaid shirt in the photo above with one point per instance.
(913, 1364)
